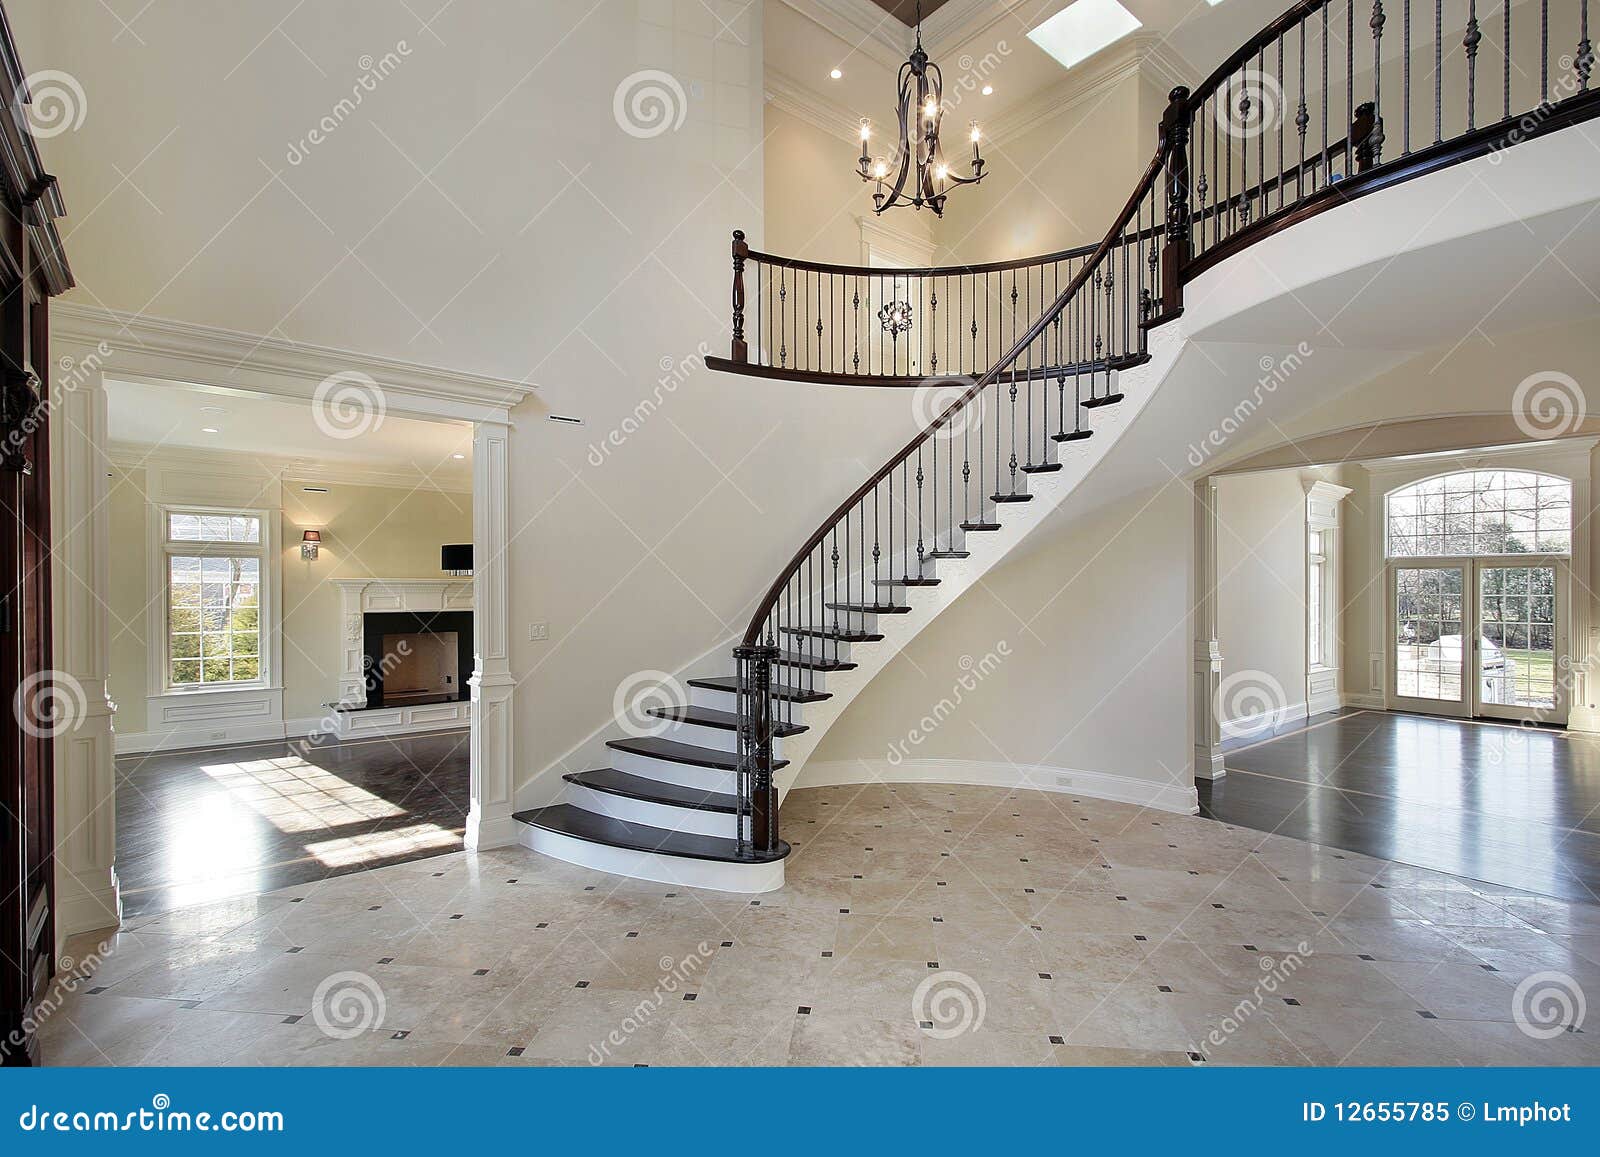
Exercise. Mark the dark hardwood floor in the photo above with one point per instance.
(1505, 804)
(195, 826)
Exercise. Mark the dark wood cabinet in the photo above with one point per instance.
(32, 270)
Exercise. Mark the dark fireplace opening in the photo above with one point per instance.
(413, 658)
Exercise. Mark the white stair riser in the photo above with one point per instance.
(728, 701)
(713, 738)
(665, 771)
(655, 815)
(746, 878)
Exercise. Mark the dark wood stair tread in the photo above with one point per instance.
(1072, 436)
(629, 786)
(671, 750)
(817, 662)
(1010, 498)
(1041, 468)
(980, 526)
(721, 720)
(1102, 400)
(906, 582)
(869, 608)
(778, 690)
(949, 554)
(567, 820)
(842, 635)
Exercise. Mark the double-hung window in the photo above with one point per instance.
(215, 564)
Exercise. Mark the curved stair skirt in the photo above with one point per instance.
(884, 636)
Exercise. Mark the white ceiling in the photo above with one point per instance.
(173, 419)
(806, 38)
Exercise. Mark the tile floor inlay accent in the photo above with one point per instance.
(1214, 958)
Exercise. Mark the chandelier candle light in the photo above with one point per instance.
(921, 110)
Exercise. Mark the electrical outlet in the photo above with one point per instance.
(538, 632)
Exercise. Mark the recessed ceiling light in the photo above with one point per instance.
(212, 410)
(988, 90)
(1082, 29)
(458, 455)
(209, 430)
(836, 74)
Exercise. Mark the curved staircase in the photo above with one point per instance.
(1084, 347)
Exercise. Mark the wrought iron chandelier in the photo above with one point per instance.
(918, 157)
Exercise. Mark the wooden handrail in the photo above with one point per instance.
(1112, 238)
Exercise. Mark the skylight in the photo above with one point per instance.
(1082, 29)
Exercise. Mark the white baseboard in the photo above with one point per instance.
(1173, 797)
(1323, 703)
(1363, 701)
(1263, 724)
(144, 742)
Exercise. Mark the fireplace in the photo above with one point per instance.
(413, 658)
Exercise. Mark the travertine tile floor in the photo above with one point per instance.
(919, 925)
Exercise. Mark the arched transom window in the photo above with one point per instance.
(1480, 512)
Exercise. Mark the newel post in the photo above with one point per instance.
(757, 796)
(1366, 136)
(1175, 254)
(740, 351)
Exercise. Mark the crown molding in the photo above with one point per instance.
(142, 344)
(1131, 57)
(959, 21)
(286, 468)
(861, 24)
(806, 104)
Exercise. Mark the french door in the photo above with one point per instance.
(1479, 637)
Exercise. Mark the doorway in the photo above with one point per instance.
(1479, 637)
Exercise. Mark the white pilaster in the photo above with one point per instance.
(489, 822)
(86, 892)
(1207, 650)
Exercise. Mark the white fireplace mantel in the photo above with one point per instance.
(362, 596)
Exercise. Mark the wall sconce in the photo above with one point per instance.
(309, 542)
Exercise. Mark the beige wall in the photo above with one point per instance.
(1261, 569)
(130, 596)
(1060, 183)
(815, 201)
(1093, 675)
(367, 531)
